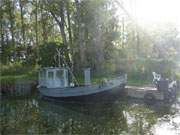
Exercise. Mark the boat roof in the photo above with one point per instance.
(54, 68)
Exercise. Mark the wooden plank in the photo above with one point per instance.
(139, 92)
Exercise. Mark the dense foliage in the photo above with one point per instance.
(92, 34)
(47, 54)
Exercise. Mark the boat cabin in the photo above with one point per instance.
(53, 77)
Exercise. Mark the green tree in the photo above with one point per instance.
(47, 54)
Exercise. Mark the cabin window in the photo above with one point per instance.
(42, 74)
(50, 75)
(59, 74)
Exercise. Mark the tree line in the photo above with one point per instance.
(88, 33)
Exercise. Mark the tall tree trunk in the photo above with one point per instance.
(69, 23)
(43, 23)
(122, 33)
(98, 45)
(136, 34)
(11, 18)
(22, 22)
(36, 29)
(2, 31)
(80, 34)
(36, 21)
(2, 36)
(70, 32)
(61, 24)
(86, 35)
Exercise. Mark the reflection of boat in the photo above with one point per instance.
(54, 83)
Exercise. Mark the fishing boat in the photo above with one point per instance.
(60, 83)
(54, 83)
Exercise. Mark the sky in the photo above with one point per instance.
(147, 12)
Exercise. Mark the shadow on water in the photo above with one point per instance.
(36, 116)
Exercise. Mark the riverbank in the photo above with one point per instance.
(17, 79)
(17, 85)
(24, 84)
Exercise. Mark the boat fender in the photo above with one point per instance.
(38, 86)
(72, 84)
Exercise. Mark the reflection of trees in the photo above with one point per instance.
(39, 117)
(85, 119)
(19, 116)
(24, 116)
(141, 119)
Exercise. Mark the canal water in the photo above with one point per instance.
(33, 115)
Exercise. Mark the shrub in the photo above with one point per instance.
(16, 68)
(141, 69)
(47, 52)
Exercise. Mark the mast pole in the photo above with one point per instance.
(59, 57)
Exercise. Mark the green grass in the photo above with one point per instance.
(10, 79)
(138, 82)
(33, 76)
(17, 71)
(131, 81)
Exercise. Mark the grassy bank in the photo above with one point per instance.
(135, 82)
(13, 73)
(139, 73)
(10, 79)
(18, 79)
(17, 71)
(131, 81)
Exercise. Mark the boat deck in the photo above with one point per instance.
(139, 92)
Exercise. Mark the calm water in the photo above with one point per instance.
(36, 116)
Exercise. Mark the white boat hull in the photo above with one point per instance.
(112, 87)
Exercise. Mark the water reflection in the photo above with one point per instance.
(85, 118)
(36, 116)
(168, 124)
